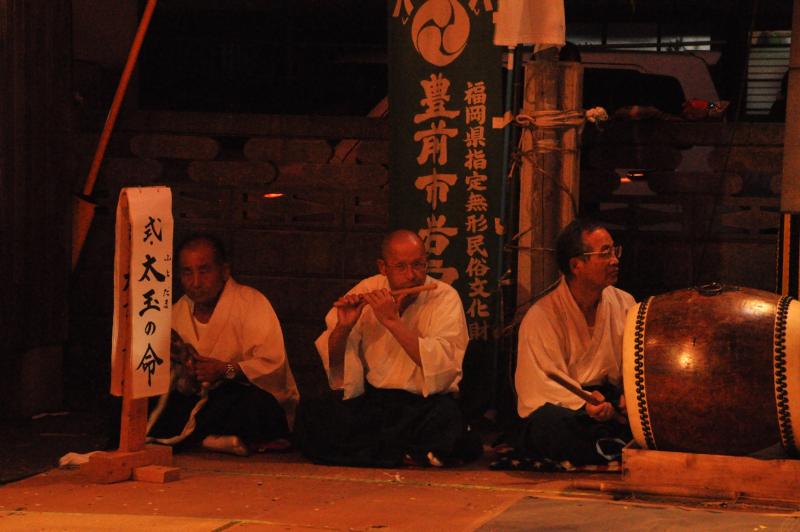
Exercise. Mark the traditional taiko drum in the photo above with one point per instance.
(714, 369)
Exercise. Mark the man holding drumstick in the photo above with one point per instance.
(568, 376)
(394, 345)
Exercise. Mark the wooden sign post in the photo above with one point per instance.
(140, 353)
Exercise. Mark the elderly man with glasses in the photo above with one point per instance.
(572, 337)
(397, 360)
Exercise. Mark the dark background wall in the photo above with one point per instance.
(35, 171)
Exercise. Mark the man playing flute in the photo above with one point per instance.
(397, 360)
(244, 394)
(574, 334)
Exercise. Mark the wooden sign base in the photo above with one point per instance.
(151, 464)
(133, 459)
(708, 476)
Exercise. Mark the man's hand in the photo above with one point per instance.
(348, 310)
(384, 306)
(209, 370)
(606, 411)
(602, 412)
(386, 310)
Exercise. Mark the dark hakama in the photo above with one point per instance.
(231, 408)
(558, 434)
(384, 428)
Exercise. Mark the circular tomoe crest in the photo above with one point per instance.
(440, 31)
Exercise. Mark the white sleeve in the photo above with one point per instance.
(264, 362)
(442, 345)
(541, 350)
(353, 379)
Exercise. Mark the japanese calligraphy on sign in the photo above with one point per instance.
(142, 292)
(446, 157)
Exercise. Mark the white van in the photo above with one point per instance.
(665, 80)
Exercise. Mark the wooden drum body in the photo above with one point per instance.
(713, 370)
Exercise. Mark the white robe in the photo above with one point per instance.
(554, 337)
(436, 315)
(243, 328)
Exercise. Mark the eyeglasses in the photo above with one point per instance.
(418, 266)
(606, 254)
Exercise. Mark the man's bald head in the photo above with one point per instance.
(403, 260)
(400, 237)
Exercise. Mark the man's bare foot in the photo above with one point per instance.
(230, 444)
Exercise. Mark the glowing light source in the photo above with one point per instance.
(273, 195)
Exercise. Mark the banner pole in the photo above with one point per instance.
(83, 208)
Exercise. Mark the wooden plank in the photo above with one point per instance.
(116, 466)
(281, 149)
(367, 209)
(686, 133)
(332, 176)
(293, 174)
(118, 172)
(232, 173)
(347, 150)
(248, 125)
(373, 151)
(199, 204)
(297, 207)
(163, 146)
(156, 473)
(751, 219)
(751, 477)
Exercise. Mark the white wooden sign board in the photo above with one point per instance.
(143, 269)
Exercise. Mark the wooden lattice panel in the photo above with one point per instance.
(307, 208)
(279, 150)
(192, 204)
(189, 147)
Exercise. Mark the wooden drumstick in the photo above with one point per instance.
(580, 392)
(404, 291)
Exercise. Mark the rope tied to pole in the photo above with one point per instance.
(554, 119)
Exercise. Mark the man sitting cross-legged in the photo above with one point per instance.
(229, 341)
(574, 335)
(397, 359)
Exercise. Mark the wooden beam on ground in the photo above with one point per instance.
(708, 476)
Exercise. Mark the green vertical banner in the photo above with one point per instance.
(445, 94)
